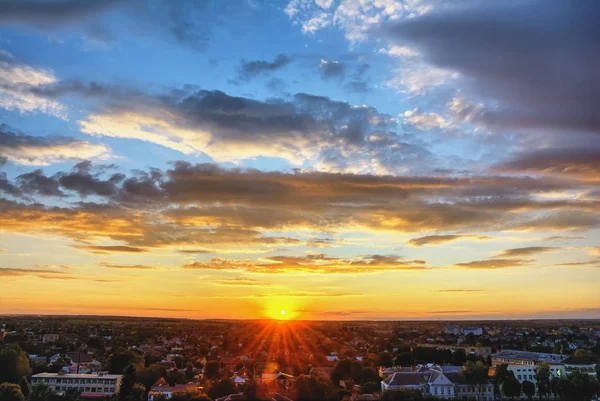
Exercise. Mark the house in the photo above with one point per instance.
(474, 330)
(49, 338)
(432, 381)
(162, 387)
(89, 385)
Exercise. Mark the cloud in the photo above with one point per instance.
(42, 151)
(331, 69)
(466, 291)
(126, 267)
(18, 83)
(106, 249)
(441, 239)
(37, 183)
(43, 273)
(493, 264)
(312, 263)
(527, 251)
(577, 163)
(308, 294)
(231, 128)
(215, 209)
(187, 23)
(240, 282)
(51, 13)
(540, 85)
(251, 69)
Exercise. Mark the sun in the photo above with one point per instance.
(282, 312)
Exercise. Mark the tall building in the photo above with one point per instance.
(87, 384)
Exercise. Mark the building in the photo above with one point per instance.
(49, 338)
(472, 350)
(453, 329)
(475, 330)
(161, 387)
(523, 363)
(575, 364)
(437, 381)
(89, 385)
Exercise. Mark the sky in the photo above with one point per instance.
(336, 159)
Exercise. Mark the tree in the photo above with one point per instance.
(127, 382)
(475, 374)
(314, 388)
(542, 375)
(41, 392)
(11, 392)
(222, 388)
(212, 369)
(341, 371)
(120, 359)
(137, 393)
(528, 389)
(459, 357)
(14, 364)
(502, 375)
(150, 375)
(24, 385)
(512, 387)
(401, 395)
(385, 359)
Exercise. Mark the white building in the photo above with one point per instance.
(87, 384)
(437, 381)
(523, 363)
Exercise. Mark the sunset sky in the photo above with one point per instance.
(336, 159)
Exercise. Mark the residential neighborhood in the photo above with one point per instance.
(139, 359)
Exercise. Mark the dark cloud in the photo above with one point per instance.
(126, 267)
(106, 249)
(313, 263)
(441, 239)
(331, 69)
(51, 13)
(206, 208)
(252, 69)
(579, 163)
(549, 81)
(40, 150)
(526, 251)
(495, 264)
(37, 183)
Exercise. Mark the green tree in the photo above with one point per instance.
(137, 393)
(314, 388)
(222, 388)
(475, 374)
(341, 371)
(11, 392)
(150, 375)
(512, 387)
(127, 382)
(528, 389)
(401, 395)
(501, 376)
(14, 364)
(24, 384)
(542, 375)
(120, 359)
(41, 392)
(212, 370)
(385, 359)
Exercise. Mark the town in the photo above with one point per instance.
(69, 358)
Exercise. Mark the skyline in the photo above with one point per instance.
(336, 159)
